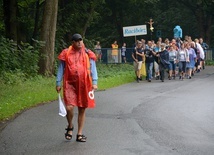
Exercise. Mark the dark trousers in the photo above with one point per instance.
(162, 71)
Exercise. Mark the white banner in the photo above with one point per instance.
(134, 30)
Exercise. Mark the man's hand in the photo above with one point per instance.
(58, 89)
(94, 87)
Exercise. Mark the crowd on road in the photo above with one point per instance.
(182, 58)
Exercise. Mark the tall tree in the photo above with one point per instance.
(90, 9)
(46, 62)
(10, 18)
(203, 12)
(36, 19)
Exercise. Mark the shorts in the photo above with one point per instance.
(137, 65)
(172, 65)
(182, 66)
(156, 66)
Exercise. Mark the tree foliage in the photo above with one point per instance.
(22, 60)
(103, 19)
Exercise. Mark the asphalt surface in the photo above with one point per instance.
(159, 118)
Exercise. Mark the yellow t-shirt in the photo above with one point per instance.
(114, 49)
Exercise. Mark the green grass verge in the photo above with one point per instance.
(23, 95)
(16, 98)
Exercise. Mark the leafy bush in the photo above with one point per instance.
(29, 59)
(17, 60)
(210, 62)
(8, 55)
(12, 77)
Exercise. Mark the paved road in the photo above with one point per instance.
(170, 118)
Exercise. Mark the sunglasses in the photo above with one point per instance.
(78, 40)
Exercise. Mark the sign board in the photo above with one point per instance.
(134, 30)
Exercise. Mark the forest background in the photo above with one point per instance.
(40, 26)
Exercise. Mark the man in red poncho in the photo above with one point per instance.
(77, 67)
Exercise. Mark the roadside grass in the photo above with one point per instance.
(209, 62)
(18, 97)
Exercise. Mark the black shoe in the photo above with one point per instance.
(149, 80)
(81, 138)
(67, 135)
(157, 77)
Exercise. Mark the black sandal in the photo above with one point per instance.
(81, 138)
(67, 135)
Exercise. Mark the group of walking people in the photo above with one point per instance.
(77, 70)
(178, 57)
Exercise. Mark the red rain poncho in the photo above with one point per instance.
(77, 81)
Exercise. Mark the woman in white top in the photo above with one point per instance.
(172, 60)
(192, 59)
(200, 55)
(182, 58)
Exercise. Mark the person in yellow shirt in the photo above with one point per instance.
(114, 52)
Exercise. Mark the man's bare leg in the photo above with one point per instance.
(70, 114)
(81, 120)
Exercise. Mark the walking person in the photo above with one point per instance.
(163, 61)
(200, 55)
(192, 45)
(137, 56)
(192, 59)
(149, 55)
(157, 48)
(205, 47)
(183, 57)
(172, 60)
(79, 82)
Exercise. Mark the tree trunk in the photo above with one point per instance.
(10, 18)
(204, 25)
(208, 31)
(90, 15)
(36, 22)
(46, 62)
